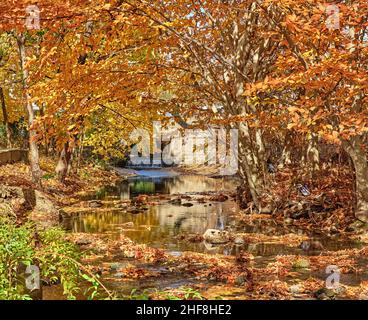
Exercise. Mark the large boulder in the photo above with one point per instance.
(216, 236)
(44, 213)
(20, 202)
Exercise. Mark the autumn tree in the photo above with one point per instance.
(219, 50)
(17, 18)
(101, 75)
(10, 86)
(320, 79)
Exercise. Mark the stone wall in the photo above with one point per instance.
(13, 155)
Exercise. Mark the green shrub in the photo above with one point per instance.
(15, 249)
(57, 259)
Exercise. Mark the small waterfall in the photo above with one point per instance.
(143, 163)
(143, 166)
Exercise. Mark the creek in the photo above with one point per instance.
(162, 224)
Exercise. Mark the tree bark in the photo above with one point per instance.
(33, 148)
(252, 164)
(359, 158)
(64, 163)
(313, 154)
(286, 151)
(5, 119)
(45, 138)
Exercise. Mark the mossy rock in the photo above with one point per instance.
(240, 280)
(301, 264)
(325, 294)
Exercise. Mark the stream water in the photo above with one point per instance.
(161, 225)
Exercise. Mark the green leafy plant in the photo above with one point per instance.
(191, 294)
(140, 296)
(15, 249)
(57, 259)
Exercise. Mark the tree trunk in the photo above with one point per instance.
(5, 119)
(80, 152)
(313, 153)
(64, 163)
(45, 139)
(33, 148)
(359, 158)
(252, 164)
(286, 151)
(62, 167)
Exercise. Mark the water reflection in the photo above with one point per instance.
(160, 225)
(165, 184)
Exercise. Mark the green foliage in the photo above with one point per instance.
(145, 295)
(15, 249)
(48, 176)
(56, 258)
(58, 261)
(92, 292)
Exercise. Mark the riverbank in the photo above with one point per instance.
(202, 170)
(24, 201)
(88, 178)
(124, 172)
